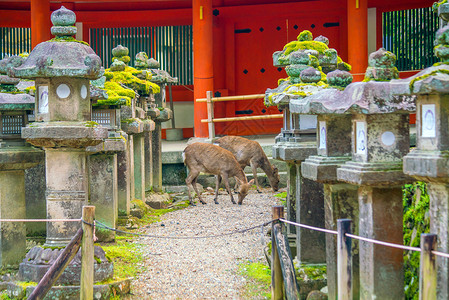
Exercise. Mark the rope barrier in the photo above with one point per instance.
(40, 220)
(309, 227)
(383, 243)
(99, 224)
(442, 254)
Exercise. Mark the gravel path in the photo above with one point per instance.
(203, 268)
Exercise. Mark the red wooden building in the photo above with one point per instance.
(233, 41)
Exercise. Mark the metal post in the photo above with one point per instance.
(87, 254)
(277, 283)
(344, 260)
(427, 268)
(210, 115)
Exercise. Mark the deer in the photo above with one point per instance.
(250, 153)
(212, 159)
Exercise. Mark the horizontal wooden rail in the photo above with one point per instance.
(232, 98)
(247, 118)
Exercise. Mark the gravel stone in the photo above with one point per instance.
(203, 268)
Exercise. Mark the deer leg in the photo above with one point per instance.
(196, 190)
(217, 186)
(228, 188)
(254, 168)
(191, 178)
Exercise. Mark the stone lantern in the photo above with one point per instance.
(306, 61)
(155, 107)
(102, 161)
(15, 157)
(333, 149)
(429, 161)
(62, 68)
(380, 138)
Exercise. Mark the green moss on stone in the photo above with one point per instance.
(91, 124)
(436, 5)
(412, 83)
(305, 35)
(65, 39)
(305, 45)
(416, 218)
(129, 79)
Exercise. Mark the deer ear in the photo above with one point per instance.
(251, 182)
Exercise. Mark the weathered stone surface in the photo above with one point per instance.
(291, 152)
(16, 102)
(109, 146)
(103, 192)
(157, 201)
(322, 169)
(38, 260)
(132, 126)
(19, 158)
(64, 134)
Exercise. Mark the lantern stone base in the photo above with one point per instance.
(291, 152)
(427, 165)
(322, 169)
(38, 260)
(373, 174)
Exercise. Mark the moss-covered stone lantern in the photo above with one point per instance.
(62, 68)
(333, 149)
(155, 107)
(306, 61)
(429, 161)
(380, 138)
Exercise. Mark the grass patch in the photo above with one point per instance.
(282, 198)
(258, 281)
(126, 256)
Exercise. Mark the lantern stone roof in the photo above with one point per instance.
(16, 102)
(62, 56)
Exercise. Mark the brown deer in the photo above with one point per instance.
(250, 153)
(211, 159)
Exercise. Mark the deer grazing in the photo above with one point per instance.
(211, 159)
(250, 153)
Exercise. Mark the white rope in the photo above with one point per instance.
(437, 253)
(383, 243)
(309, 227)
(40, 220)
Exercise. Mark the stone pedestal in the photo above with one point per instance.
(35, 199)
(124, 181)
(156, 142)
(103, 185)
(148, 149)
(66, 192)
(305, 203)
(381, 219)
(139, 166)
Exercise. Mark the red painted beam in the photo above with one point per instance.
(203, 68)
(40, 21)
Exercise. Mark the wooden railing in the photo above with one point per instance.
(210, 111)
(283, 279)
(84, 238)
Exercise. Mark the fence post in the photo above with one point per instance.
(344, 260)
(427, 268)
(87, 254)
(277, 283)
(210, 115)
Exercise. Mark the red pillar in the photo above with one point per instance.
(358, 36)
(40, 21)
(203, 73)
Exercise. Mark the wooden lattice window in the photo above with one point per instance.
(104, 117)
(12, 124)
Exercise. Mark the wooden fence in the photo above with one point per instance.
(84, 238)
(283, 279)
(210, 111)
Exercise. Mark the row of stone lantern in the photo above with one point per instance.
(98, 148)
(363, 159)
